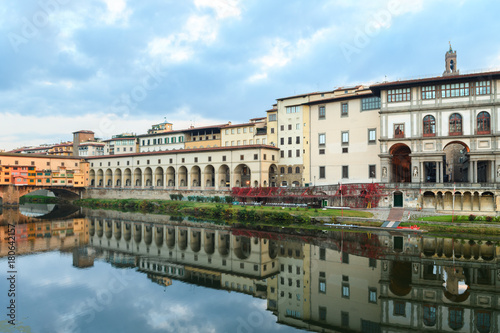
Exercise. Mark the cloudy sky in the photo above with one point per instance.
(116, 66)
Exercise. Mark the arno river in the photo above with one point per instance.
(105, 271)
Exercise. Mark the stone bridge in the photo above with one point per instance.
(10, 194)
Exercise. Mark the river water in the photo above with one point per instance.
(105, 271)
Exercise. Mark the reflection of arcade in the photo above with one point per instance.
(320, 281)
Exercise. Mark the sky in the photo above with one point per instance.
(115, 66)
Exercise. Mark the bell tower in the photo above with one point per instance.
(451, 62)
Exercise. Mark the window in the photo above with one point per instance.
(456, 318)
(483, 322)
(345, 150)
(289, 127)
(322, 112)
(242, 157)
(297, 126)
(292, 109)
(289, 169)
(372, 136)
(227, 132)
(282, 127)
(429, 125)
(370, 103)
(344, 109)
(297, 169)
(372, 262)
(345, 171)
(345, 138)
(196, 159)
(272, 130)
(272, 117)
(372, 295)
(232, 130)
(455, 124)
(322, 139)
(371, 171)
(455, 90)
(239, 130)
(345, 319)
(398, 95)
(345, 260)
(345, 291)
(429, 92)
(322, 152)
(289, 153)
(282, 170)
(322, 284)
(483, 123)
(297, 139)
(282, 141)
(322, 313)
(297, 153)
(429, 315)
(399, 308)
(321, 172)
(289, 140)
(483, 87)
(322, 253)
(224, 158)
(282, 153)
(399, 130)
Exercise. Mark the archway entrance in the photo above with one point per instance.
(456, 163)
(401, 163)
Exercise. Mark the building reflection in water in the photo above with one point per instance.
(335, 281)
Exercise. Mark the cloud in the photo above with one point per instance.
(117, 11)
(222, 8)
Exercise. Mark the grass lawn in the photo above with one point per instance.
(456, 219)
(310, 212)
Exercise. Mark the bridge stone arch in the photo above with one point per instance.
(108, 229)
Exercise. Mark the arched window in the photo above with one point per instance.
(282, 170)
(456, 318)
(429, 315)
(289, 169)
(483, 123)
(455, 124)
(483, 322)
(429, 126)
(297, 169)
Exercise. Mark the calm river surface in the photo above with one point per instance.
(105, 271)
